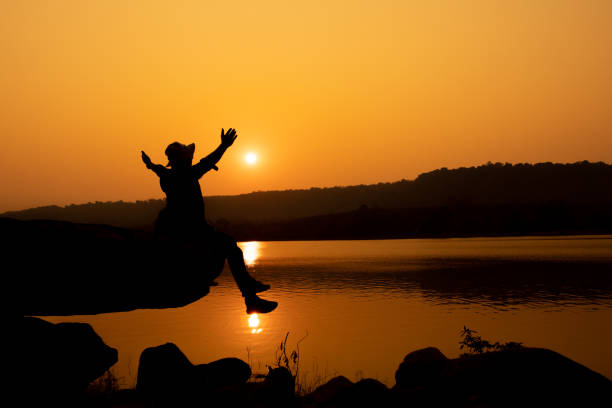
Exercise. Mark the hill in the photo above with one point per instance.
(493, 198)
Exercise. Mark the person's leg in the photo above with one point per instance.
(249, 286)
(235, 259)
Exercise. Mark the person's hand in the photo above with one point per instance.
(227, 138)
(145, 158)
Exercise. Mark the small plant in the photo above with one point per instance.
(477, 345)
(309, 381)
(288, 359)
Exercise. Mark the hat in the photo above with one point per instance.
(177, 151)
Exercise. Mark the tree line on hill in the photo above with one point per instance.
(431, 222)
(492, 199)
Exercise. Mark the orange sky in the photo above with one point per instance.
(332, 92)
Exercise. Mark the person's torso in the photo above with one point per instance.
(183, 192)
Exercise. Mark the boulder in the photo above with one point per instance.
(517, 377)
(327, 392)
(420, 367)
(280, 382)
(62, 359)
(222, 373)
(367, 392)
(163, 370)
(166, 376)
(527, 376)
(276, 390)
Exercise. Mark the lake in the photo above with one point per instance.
(361, 306)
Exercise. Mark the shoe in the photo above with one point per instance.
(259, 287)
(255, 304)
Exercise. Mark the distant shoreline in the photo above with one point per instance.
(587, 235)
(382, 237)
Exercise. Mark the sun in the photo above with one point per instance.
(250, 158)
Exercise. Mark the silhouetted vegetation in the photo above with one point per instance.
(139, 214)
(493, 199)
(289, 360)
(474, 344)
(447, 221)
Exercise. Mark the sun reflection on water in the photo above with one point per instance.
(250, 251)
(254, 323)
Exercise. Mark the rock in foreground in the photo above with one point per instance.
(519, 377)
(165, 374)
(61, 359)
(510, 378)
(63, 268)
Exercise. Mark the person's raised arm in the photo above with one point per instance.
(157, 168)
(209, 162)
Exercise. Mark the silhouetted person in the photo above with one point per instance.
(183, 217)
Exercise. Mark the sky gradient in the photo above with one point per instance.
(325, 92)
